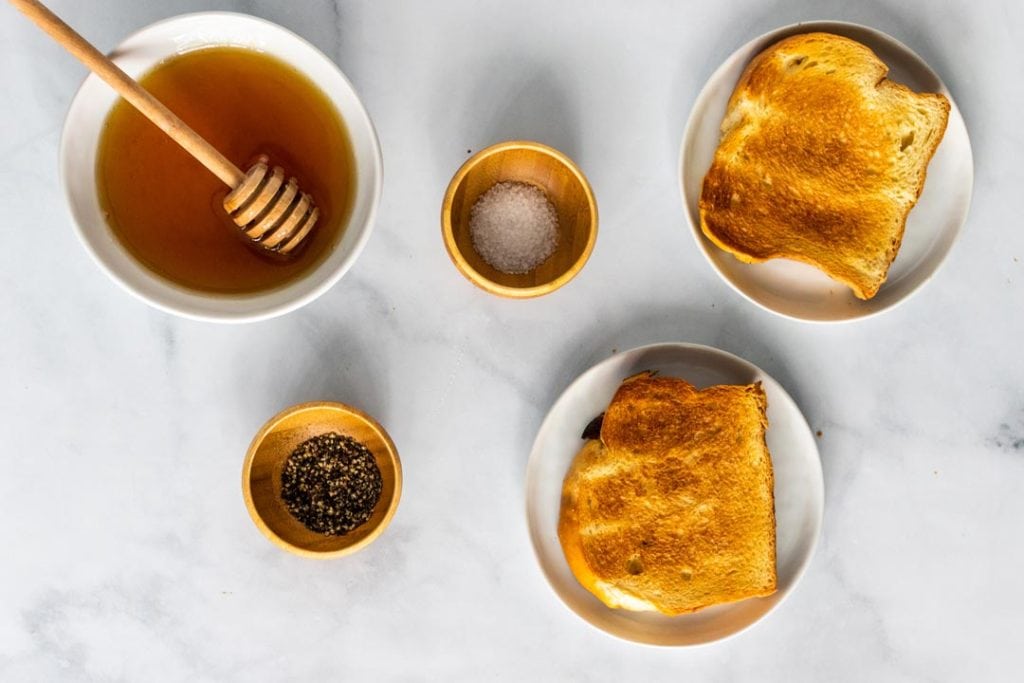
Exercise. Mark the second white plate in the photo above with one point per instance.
(797, 290)
(799, 490)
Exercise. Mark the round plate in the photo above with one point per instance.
(799, 490)
(800, 291)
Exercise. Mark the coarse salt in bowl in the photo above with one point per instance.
(565, 186)
(514, 227)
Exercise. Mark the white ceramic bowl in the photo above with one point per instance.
(137, 55)
(799, 490)
(799, 291)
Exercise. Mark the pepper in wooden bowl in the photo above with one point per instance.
(322, 479)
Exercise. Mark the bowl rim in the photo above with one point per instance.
(268, 427)
(797, 28)
(460, 261)
(185, 310)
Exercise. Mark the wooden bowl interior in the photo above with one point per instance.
(563, 187)
(272, 452)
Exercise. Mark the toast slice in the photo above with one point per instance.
(672, 509)
(821, 160)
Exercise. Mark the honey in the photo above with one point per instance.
(167, 210)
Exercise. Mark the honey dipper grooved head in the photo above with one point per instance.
(274, 214)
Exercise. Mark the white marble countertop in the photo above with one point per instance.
(127, 550)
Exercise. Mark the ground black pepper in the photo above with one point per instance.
(331, 483)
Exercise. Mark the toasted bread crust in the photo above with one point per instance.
(821, 160)
(673, 508)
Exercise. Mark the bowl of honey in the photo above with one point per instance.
(152, 217)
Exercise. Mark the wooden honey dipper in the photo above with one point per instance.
(272, 214)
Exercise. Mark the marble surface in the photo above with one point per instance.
(127, 551)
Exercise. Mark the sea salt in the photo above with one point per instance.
(514, 227)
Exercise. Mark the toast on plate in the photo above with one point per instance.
(672, 508)
(821, 159)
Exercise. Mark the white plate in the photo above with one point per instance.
(799, 489)
(797, 290)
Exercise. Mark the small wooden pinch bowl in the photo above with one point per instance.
(261, 476)
(567, 189)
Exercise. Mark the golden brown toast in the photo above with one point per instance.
(673, 508)
(821, 160)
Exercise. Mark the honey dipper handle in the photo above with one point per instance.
(130, 90)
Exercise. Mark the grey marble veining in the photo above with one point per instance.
(127, 550)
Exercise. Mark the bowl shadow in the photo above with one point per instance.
(319, 362)
(512, 96)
